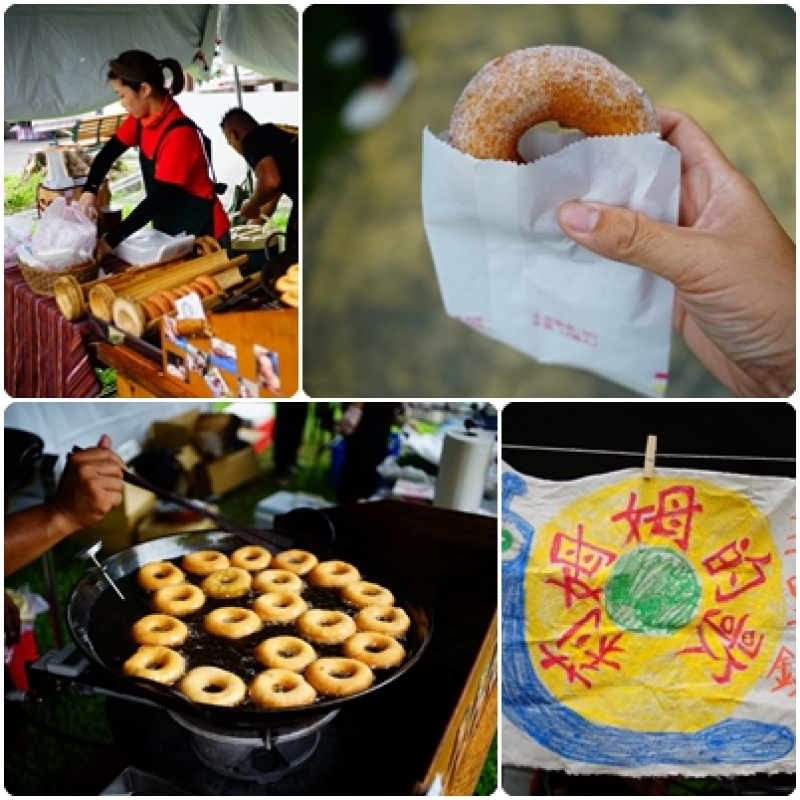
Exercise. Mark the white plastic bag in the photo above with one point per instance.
(64, 237)
(17, 231)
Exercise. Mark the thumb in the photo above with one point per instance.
(623, 235)
(105, 441)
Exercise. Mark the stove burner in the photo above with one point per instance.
(252, 755)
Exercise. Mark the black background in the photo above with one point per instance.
(741, 428)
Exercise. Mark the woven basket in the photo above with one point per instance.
(43, 281)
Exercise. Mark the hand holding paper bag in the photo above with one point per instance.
(506, 268)
(732, 260)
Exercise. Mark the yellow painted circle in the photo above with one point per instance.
(678, 680)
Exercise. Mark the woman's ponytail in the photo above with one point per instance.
(176, 70)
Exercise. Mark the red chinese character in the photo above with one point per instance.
(721, 639)
(634, 517)
(579, 560)
(564, 662)
(607, 646)
(673, 517)
(731, 559)
(592, 658)
(783, 670)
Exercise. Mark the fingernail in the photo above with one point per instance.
(579, 218)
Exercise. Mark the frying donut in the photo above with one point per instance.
(159, 629)
(376, 650)
(232, 622)
(279, 606)
(272, 580)
(155, 663)
(325, 627)
(333, 574)
(364, 593)
(204, 562)
(213, 686)
(179, 600)
(286, 652)
(157, 574)
(298, 561)
(569, 85)
(281, 688)
(251, 557)
(339, 677)
(391, 620)
(227, 583)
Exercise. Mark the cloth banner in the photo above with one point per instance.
(649, 624)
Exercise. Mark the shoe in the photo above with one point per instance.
(345, 49)
(371, 105)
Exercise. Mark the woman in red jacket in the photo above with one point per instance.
(180, 195)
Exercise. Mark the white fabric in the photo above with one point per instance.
(64, 425)
(262, 38)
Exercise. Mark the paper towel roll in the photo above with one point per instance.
(462, 471)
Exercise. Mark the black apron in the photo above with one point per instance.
(188, 214)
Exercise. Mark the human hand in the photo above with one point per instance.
(732, 264)
(86, 205)
(250, 211)
(102, 249)
(90, 486)
(11, 621)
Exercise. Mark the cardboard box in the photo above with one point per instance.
(117, 529)
(175, 432)
(224, 474)
(151, 527)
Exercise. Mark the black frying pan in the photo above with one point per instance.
(100, 624)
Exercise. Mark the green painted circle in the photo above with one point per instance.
(652, 590)
(508, 540)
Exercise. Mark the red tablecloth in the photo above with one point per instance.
(45, 355)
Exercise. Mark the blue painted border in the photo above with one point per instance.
(529, 705)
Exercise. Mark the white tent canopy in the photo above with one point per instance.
(56, 56)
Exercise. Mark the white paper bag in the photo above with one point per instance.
(506, 268)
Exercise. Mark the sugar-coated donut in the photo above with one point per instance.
(179, 600)
(251, 557)
(376, 650)
(227, 583)
(333, 574)
(160, 629)
(232, 622)
(286, 652)
(204, 562)
(391, 620)
(281, 688)
(213, 686)
(280, 606)
(274, 580)
(569, 85)
(364, 593)
(157, 574)
(298, 561)
(323, 626)
(339, 677)
(155, 663)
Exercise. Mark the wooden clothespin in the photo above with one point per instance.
(650, 457)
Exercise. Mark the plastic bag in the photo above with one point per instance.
(17, 231)
(64, 237)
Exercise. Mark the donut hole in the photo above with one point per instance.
(545, 139)
(156, 664)
(289, 652)
(213, 688)
(376, 647)
(343, 673)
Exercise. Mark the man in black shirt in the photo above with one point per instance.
(272, 153)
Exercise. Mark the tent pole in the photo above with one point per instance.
(239, 103)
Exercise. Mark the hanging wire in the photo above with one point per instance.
(641, 454)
